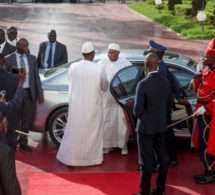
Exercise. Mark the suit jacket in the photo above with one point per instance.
(9, 107)
(8, 82)
(35, 83)
(163, 70)
(14, 104)
(10, 87)
(8, 49)
(153, 100)
(9, 184)
(60, 55)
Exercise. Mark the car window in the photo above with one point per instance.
(58, 69)
(185, 80)
(125, 81)
(140, 65)
(175, 56)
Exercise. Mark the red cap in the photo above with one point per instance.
(211, 48)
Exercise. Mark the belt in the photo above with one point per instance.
(26, 88)
(202, 102)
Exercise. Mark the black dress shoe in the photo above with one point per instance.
(137, 194)
(158, 192)
(197, 177)
(26, 148)
(172, 163)
(208, 178)
(154, 169)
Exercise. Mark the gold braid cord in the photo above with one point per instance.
(207, 128)
(204, 96)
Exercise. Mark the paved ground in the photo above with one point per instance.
(96, 22)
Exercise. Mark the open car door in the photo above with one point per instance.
(122, 87)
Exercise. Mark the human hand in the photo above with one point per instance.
(22, 76)
(129, 103)
(200, 111)
(40, 100)
(199, 67)
(183, 101)
(3, 96)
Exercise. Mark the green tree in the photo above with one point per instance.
(171, 3)
(197, 5)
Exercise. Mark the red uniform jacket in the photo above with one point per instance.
(204, 85)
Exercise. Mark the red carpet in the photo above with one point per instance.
(114, 183)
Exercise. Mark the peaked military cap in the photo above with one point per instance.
(155, 47)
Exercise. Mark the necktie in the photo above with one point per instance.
(49, 61)
(22, 63)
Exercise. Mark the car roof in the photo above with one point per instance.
(135, 55)
(140, 55)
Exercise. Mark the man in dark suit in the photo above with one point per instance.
(9, 184)
(32, 86)
(164, 71)
(5, 47)
(12, 35)
(51, 53)
(12, 105)
(9, 83)
(153, 100)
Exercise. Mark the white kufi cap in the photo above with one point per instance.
(114, 46)
(87, 47)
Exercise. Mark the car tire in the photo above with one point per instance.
(57, 125)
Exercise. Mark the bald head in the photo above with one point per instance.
(152, 61)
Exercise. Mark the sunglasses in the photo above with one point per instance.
(13, 33)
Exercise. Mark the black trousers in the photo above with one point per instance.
(146, 143)
(204, 129)
(27, 112)
(170, 144)
(13, 124)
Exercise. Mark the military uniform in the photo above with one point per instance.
(204, 137)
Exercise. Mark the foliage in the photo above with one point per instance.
(183, 9)
(180, 23)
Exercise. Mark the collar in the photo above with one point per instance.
(12, 42)
(18, 55)
(152, 72)
(48, 43)
(3, 44)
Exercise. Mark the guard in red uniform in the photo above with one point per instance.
(204, 138)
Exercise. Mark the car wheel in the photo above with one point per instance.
(57, 124)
